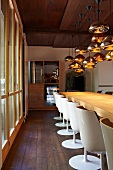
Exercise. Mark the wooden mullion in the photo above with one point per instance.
(16, 12)
(11, 94)
(7, 129)
(18, 67)
(4, 96)
(21, 73)
(14, 57)
(20, 60)
(13, 67)
(19, 56)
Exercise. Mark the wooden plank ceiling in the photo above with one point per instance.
(53, 22)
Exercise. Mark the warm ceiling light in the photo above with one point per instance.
(69, 67)
(89, 66)
(89, 62)
(80, 50)
(99, 57)
(109, 56)
(79, 58)
(74, 65)
(98, 27)
(107, 43)
(68, 58)
(98, 38)
(94, 47)
(79, 70)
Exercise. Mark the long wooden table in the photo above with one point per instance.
(102, 104)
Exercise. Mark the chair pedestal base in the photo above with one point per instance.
(58, 118)
(72, 145)
(60, 124)
(65, 132)
(78, 162)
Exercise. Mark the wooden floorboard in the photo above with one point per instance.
(38, 146)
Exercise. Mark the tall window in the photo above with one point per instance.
(10, 77)
(11, 111)
(11, 40)
(3, 77)
(16, 51)
(2, 47)
(10, 46)
(17, 107)
(16, 65)
(3, 114)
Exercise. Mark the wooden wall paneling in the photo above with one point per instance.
(36, 96)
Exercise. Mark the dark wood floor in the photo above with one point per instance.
(38, 147)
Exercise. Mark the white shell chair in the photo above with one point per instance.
(55, 99)
(58, 97)
(66, 131)
(73, 143)
(92, 140)
(107, 130)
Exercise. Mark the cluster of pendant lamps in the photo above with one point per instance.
(99, 42)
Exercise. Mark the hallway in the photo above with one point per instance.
(38, 147)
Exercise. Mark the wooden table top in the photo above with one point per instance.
(102, 104)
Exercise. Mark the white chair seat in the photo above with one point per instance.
(92, 140)
(59, 106)
(107, 130)
(73, 143)
(56, 102)
(66, 131)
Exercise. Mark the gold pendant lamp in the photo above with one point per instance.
(99, 57)
(80, 49)
(107, 43)
(109, 56)
(89, 62)
(98, 26)
(69, 58)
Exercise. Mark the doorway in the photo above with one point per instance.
(75, 82)
(78, 83)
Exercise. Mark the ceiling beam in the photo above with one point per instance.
(52, 31)
(56, 31)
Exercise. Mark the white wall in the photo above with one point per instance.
(88, 80)
(95, 79)
(102, 76)
(105, 76)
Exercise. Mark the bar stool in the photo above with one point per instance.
(60, 124)
(55, 99)
(66, 131)
(73, 143)
(92, 140)
(107, 130)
